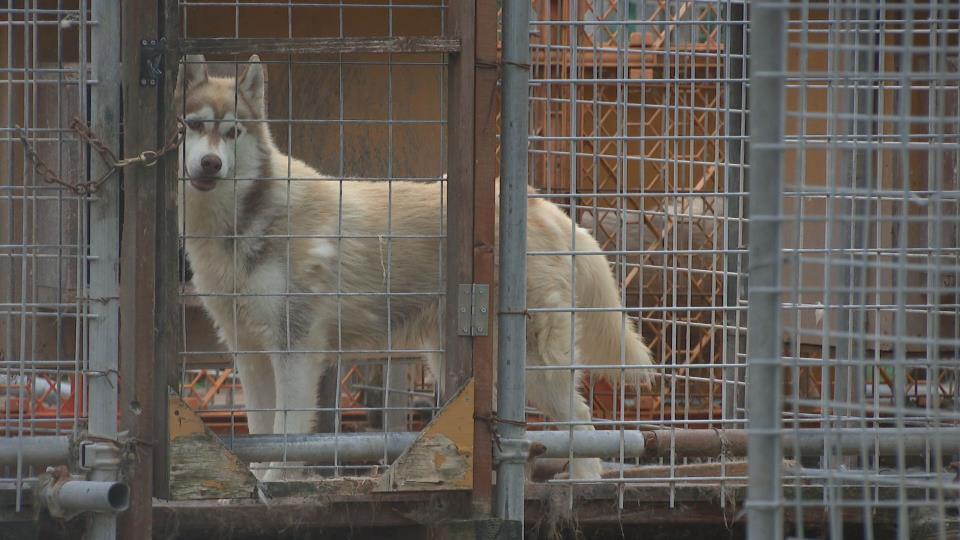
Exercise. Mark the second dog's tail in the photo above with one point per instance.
(606, 337)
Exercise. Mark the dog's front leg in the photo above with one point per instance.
(259, 391)
(259, 397)
(296, 376)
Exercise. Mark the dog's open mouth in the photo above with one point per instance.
(203, 183)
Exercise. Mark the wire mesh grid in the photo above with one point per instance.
(869, 233)
(55, 316)
(636, 131)
(348, 164)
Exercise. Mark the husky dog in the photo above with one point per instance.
(296, 267)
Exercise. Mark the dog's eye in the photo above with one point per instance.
(195, 125)
(232, 133)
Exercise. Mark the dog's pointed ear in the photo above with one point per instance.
(252, 81)
(193, 71)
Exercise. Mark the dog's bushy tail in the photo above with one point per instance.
(606, 337)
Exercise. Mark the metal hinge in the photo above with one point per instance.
(151, 61)
(473, 306)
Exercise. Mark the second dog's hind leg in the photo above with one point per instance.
(556, 392)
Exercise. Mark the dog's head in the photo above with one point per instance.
(224, 117)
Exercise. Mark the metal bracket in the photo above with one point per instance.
(99, 455)
(512, 451)
(151, 61)
(473, 306)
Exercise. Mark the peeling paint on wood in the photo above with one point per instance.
(442, 456)
(201, 467)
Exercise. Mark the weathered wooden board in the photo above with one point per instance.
(442, 456)
(317, 45)
(201, 467)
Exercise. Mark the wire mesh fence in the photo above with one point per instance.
(346, 143)
(313, 246)
(636, 131)
(59, 241)
(869, 235)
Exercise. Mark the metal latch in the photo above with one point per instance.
(151, 61)
(99, 455)
(473, 306)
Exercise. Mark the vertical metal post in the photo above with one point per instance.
(764, 393)
(104, 238)
(512, 294)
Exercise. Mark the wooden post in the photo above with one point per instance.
(471, 137)
(460, 167)
(485, 211)
(149, 261)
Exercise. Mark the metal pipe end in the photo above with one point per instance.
(118, 496)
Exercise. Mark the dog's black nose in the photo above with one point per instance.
(210, 164)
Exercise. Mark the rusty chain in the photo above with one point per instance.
(147, 158)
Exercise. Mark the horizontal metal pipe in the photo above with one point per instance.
(51, 450)
(322, 448)
(86, 496)
(702, 443)
(602, 444)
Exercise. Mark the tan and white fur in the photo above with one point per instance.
(267, 243)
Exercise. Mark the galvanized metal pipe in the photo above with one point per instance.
(765, 183)
(103, 279)
(512, 289)
(326, 448)
(86, 496)
(353, 448)
(364, 447)
(53, 450)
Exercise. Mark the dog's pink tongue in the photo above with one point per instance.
(203, 184)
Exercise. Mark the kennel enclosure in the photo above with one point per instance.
(823, 338)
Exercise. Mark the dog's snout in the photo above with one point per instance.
(210, 164)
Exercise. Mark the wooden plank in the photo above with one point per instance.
(442, 456)
(347, 507)
(484, 231)
(460, 159)
(399, 44)
(202, 467)
(166, 309)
